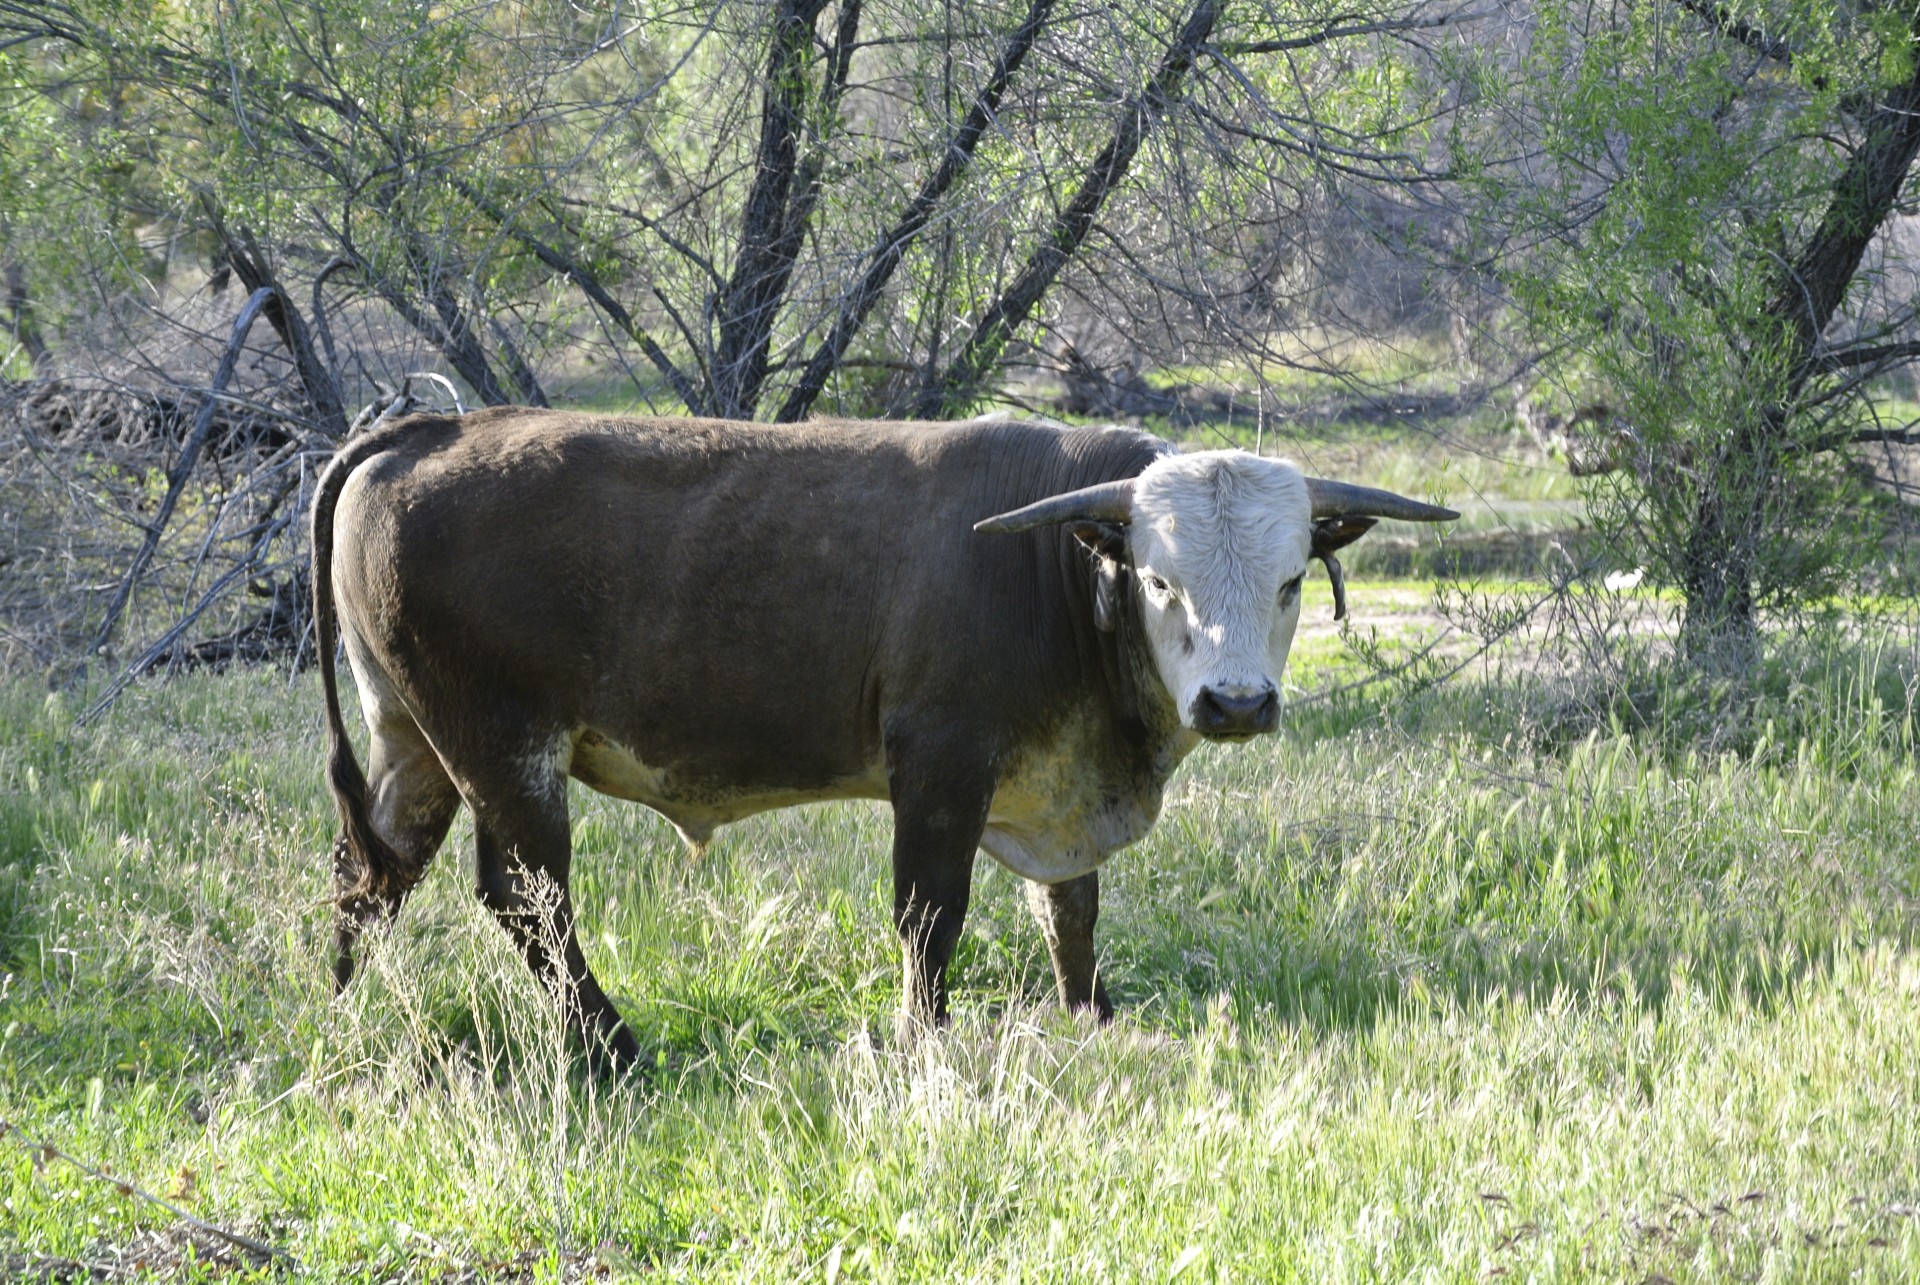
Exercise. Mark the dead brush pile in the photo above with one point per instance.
(137, 532)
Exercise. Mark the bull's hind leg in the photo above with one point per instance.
(524, 854)
(1067, 912)
(411, 802)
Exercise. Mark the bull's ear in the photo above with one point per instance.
(1106, 540)
(1330, 535)
(1106, 595)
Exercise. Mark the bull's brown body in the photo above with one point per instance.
(718, 618)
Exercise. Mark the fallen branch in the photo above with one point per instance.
(164, 647)
(42, 1152)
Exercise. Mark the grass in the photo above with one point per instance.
(1432, 988)
(1320, 363)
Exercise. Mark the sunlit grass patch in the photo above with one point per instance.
(1426, 983)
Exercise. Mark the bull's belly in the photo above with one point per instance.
(696, 807)
(1053, 817)
(1064, 841)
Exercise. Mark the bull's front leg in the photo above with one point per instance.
(941, 794)
(1067, 913)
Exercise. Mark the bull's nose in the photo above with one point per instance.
(1236, 713)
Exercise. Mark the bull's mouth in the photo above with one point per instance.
(1233, 738)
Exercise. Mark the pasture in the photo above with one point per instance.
(1482, 982)
(1568, 930)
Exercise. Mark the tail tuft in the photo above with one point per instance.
(370, 876)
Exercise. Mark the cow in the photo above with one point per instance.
(1013, 632)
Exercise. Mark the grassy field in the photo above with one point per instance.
(1461, 985)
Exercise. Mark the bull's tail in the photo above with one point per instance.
(370, 876)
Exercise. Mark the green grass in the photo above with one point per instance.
(1322, 364)
(1428, 988)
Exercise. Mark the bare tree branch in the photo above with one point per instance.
(42, 1152)
(1340, 28)
(1908, 436)
(250, 265)
(183, 467)
(892, 246)
(1009, 311)
(516, 363)
(1722, 20)
(339, 263)
(1874, 355)
(590, 286)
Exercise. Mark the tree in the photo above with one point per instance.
(1700, 223)
(762, 204)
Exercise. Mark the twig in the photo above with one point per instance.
(1326, 697)
(45, 1151)
(1487, 644)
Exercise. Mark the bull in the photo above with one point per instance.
(1012, 632)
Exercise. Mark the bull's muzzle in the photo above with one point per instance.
(1234, 714)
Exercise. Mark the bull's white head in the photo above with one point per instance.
(1217, 544)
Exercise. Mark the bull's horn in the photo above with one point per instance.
(1343, 499)
(1107, 502)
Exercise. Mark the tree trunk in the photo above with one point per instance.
(1719, 630)
(525, 382)
(1722, 548)
(20, 319)
(770, 234)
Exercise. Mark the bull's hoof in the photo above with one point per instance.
(1099, 1008)
(615, 1055)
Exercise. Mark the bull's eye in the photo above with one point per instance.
(1291, 589)
(1157, 587)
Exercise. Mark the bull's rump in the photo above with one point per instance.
(739, 610)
